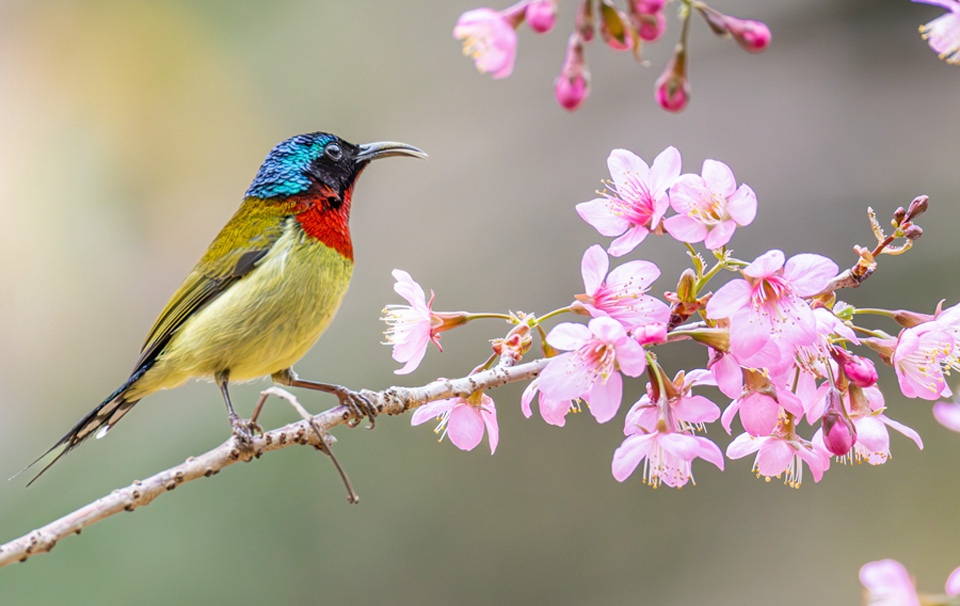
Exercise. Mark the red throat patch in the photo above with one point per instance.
(325, 217)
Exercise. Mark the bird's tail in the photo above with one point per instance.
(98, 421)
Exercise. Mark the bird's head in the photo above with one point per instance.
(319, 164)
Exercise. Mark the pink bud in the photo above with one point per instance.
(651, 27)
(859, 370)
(673, 90)
(542, 15)
(572, 86)
(647, 334)
(839, 433)
(752, 36)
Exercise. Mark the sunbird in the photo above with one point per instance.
(265, 290)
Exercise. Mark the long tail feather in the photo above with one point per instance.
(98, 421)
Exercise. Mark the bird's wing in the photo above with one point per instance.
(242, 243)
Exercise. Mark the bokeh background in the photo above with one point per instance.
(131, 129)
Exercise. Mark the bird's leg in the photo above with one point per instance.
(359, 405)
(242, 429)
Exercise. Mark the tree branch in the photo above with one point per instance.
(392, 401)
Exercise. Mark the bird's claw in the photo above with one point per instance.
(243, 429)
(360, 406)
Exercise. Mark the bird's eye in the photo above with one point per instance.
(333, 151)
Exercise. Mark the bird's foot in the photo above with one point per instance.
(360, 406)
(243, 429)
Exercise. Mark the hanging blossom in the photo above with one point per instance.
(781, 453)
(621, 294)
(462, 420)
(767, 304)
(865, 409)
(552, 410)
(667, 456)
(710, 206)
(943, 33)
(489, 39)
(411, 328)
(590, 369)
(688, 410)
(947, 414)
(760, 405)
(637, 200)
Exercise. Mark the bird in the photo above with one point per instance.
(265, 290)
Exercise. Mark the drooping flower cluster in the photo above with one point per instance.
(779, 345)
(490, 39)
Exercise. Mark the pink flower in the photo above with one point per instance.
(887, 583)
(760, 405)
(541, 15)
(638, 201)
(591, 367)
(411, 328)
(779, 454)
(462, 420)
(572, 86)
(490, 40)
(686, 410)
(710, 206)
(917, 357)
(668, 456)
(553, 412)
(943, 33)
(621, 294)
(767, 305)
(947, 414)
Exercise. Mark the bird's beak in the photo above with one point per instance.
(385, 149)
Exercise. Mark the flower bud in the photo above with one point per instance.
(688, 279)
(913, 232)
(647, 18)
(839, 433)
(859, 370)
(613, 27)
(673, 89)
(752, 36)
(647, 334)
(918, 207)
(572, 86)
(542, 15)
(584, 24)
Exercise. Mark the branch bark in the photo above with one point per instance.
(392, 401)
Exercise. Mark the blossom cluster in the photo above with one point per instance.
(779, 349)
(490, 39)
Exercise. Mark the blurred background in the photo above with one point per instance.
(132, 129)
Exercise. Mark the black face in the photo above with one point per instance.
(319, 162)
(335, 167)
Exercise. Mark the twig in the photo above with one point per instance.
(392, 401)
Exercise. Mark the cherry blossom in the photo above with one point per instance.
(637, 200)
(710, 206)
(621, 293)
(489, 39)
(768, 305)
(590, 369)
(463, 420)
